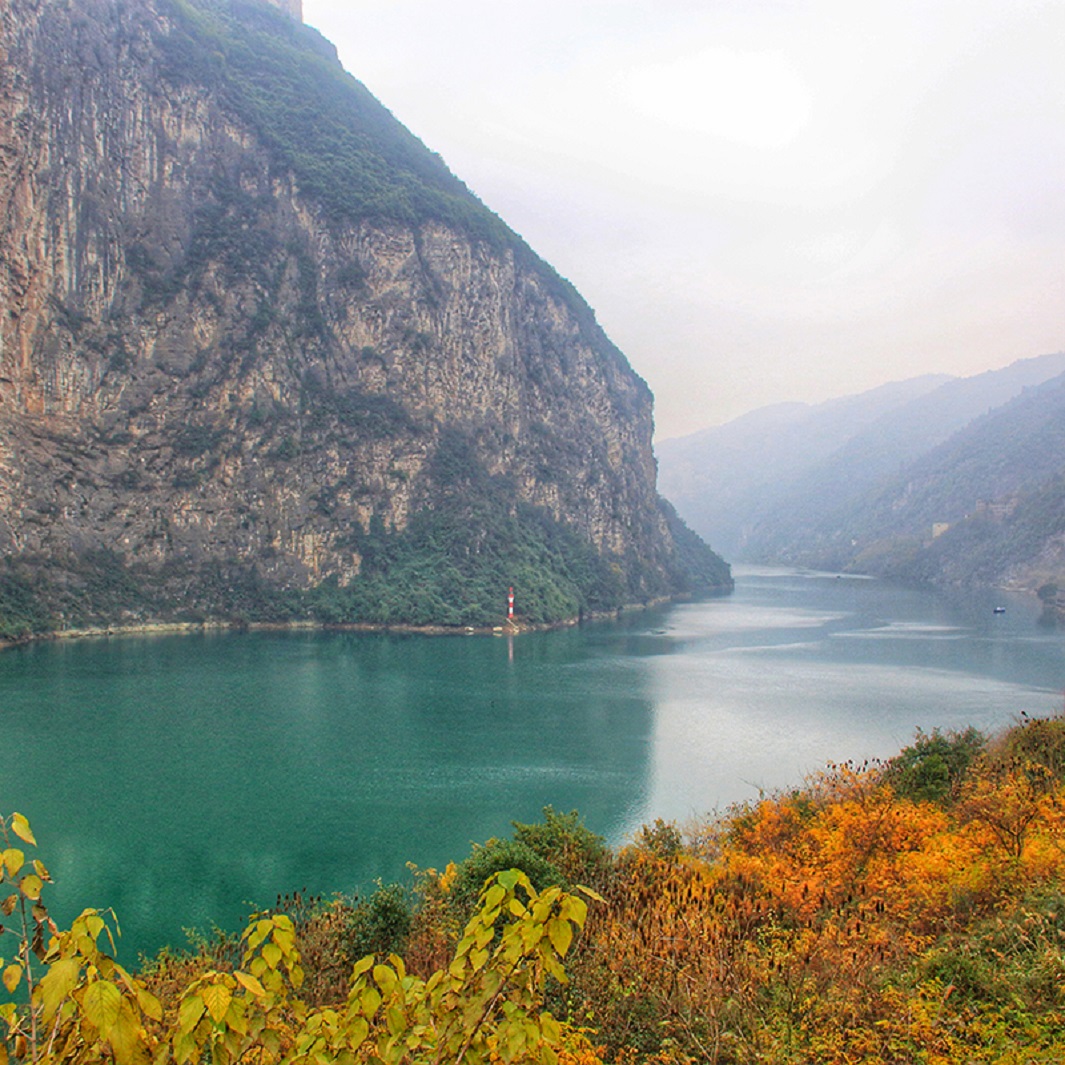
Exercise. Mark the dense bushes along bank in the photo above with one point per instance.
(903, 912)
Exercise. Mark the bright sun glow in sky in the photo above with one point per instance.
(763, 200)
(750, 98)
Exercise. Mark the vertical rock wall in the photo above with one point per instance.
(197, 363)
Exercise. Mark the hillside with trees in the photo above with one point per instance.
(957, 484)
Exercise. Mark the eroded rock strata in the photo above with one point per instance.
(262, 354)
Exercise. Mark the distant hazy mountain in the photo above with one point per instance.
(986, 506)
(803, 484)
(722, 478)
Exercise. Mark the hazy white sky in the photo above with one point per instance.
(762, 199)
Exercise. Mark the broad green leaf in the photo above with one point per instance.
(185, 1049)
(13, 859)
(21, 827)
(216, 997)
(272, 954)
(235, 1019)
(101, 1004)
(510, 878)
(551, 1028)
(386, 979)
(494, 896)
(575, 909)
(369, 1001)
(149, 1004)
(555, 969)
(61, 978)
(189, 1012)
(358, 1031)
(249, 983)
(514, 1042)
(531, 935)
(12, 975)
(285, 938)
(125, 1037)
(542, 910)
(396, 1021)
(561, 934)
(231, 1041)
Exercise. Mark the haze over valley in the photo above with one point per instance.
(955, 481)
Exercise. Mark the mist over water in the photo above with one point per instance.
(184, 780)
(798, 669)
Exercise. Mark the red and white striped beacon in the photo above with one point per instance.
(510, 604)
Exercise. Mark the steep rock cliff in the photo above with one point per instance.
(262, 354)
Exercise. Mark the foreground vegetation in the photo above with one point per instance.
(911, 911)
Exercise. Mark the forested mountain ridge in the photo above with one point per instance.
(987, 506)
(722, 478)
(262, 355)
(949, 451)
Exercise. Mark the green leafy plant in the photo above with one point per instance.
(80, 1006)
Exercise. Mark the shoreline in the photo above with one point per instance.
(170, 628)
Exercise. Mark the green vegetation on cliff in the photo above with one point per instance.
(451, 566)
(344, 147)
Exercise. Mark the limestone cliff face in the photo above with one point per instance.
(201, 361)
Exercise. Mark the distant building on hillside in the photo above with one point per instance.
(996, 511)
(939, 528)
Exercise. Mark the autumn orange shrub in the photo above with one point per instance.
(881, 915)
(843, 922)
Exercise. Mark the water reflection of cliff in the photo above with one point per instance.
(182, 780)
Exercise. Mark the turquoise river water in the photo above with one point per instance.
(183, 780)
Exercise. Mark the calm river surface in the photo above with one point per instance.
(183, 779)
